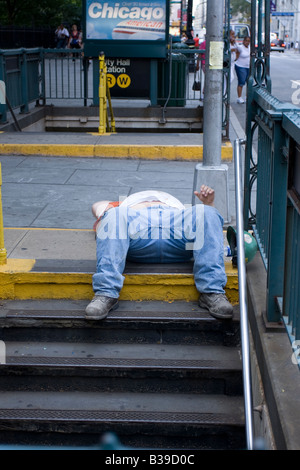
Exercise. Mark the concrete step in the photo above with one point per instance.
(127, 119)
(155, 368)
(124, 124)
(158, 374)
(172, 146)
(140, 420)
(150, 322)
(72, 279)
(59, 264)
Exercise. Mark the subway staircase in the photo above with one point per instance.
(160, 374)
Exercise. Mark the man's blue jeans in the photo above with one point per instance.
(160, 234)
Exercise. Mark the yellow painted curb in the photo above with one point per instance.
(17, 266)
(147, 152)
(170, 287)
(24, 285)
(9, 273)
(35, 285)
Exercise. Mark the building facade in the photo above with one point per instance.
(199, 13)
(286, 21)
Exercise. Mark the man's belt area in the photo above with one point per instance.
(111, 205)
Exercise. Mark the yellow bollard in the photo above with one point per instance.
(3, 252)
(102, 95)
(105, 125)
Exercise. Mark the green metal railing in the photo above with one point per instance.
(58, 75)
(272, 179)
(20, 71)
(291, 296)
(65, 75)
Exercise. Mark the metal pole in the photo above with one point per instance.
(213, 90)
(242, 297)
(3, 253)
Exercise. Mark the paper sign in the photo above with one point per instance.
(216, 55)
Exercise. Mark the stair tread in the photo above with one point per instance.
(89, 266)
(122, 407)
(163, 374)
(61, 309)
(122, 355)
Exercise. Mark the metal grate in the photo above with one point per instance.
(124, 315)
(120, 416)
(107, 362)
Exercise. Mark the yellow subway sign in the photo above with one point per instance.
(128, 78)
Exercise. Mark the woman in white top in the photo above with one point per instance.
(242, 66)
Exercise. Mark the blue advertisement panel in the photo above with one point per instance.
(139, 23)
(144, 20)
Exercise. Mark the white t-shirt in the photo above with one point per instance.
(148, 196)
(244, 56)
(144, 196)
(62, 32)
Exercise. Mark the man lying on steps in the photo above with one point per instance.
(155, 227)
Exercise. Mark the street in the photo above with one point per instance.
(285, 76)
(285, 79)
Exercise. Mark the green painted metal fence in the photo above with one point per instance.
(20, 72)
(272, 182)
(55, 75)
(291, 291)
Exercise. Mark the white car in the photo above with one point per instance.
(277, 45)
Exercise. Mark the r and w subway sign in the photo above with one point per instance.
(128, 78)
(126, 28)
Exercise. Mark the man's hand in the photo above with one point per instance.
(206, 195)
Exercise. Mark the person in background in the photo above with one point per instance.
(62, 35)
(75, 39)
(233, 51)
(242, 66)
(184, 37)
(201, 59)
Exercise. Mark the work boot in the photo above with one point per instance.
(217, 305)
(100, 307)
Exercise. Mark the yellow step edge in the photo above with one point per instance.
(148, 152)
(22, 284)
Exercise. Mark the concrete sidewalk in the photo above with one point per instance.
(47, 207)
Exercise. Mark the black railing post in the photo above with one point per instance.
(24, 108)
(3, 111)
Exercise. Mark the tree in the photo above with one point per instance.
(242, 9)
(41, 13)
